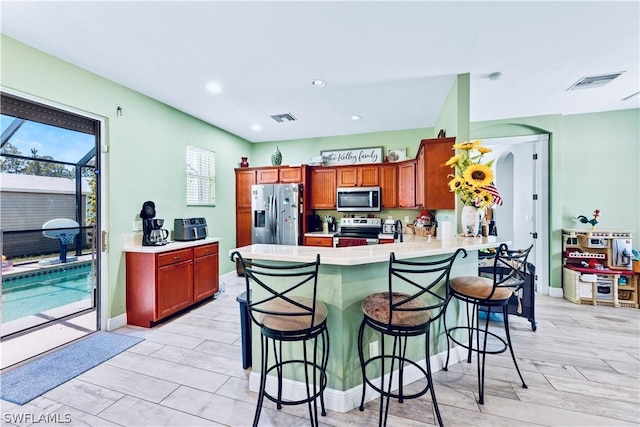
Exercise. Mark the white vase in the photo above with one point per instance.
(470, 219)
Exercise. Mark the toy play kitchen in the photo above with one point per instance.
(598, 268)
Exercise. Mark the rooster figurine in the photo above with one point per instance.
(593, 221)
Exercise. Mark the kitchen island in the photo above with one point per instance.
(347, 276)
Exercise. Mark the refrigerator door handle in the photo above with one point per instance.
(274, 212)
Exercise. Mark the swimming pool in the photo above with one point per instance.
(34, 293)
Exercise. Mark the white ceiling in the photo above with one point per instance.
(390, 62)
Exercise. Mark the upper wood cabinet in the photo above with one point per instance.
(322, 184)
(291, 175)
(432, 174)
(358, 176)
(245, 178)
(389, 185)
(282, 175)
(267, 176)
(406, 184)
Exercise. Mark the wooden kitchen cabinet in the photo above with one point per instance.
(206, 279)
(432, 174)
(358, 176)
(174, 288)
(245, 178)
(163, 283)
(322, 188)
(267, 176)
(279, 175)
(407, 184)
(291, 175)
(324, 241)
(389, 185)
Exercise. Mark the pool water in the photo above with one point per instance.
(27, 295)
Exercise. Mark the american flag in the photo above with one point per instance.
(491, 189)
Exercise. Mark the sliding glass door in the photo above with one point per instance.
(49, 215)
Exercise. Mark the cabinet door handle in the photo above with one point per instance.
(176, 257)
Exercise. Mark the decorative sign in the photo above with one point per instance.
(352, 156)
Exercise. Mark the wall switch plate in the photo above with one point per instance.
(137, 225)
(373, 349)
(406, 220)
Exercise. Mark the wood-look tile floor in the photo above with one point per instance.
(582, 366)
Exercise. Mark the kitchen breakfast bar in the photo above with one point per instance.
(348, 275)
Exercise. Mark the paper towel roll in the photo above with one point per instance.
(447, 230)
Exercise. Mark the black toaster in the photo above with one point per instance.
(186, 229)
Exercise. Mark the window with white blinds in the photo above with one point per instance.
(201, 176)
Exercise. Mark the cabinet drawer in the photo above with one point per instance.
(205, 250)
(174, 257)
(318, 241)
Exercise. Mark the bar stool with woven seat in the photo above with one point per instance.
(416, 298)
(286, 310)
(508, 275)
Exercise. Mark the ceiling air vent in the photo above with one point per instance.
(287, 117)
(594, 81)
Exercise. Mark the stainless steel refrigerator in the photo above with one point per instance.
(276, 213)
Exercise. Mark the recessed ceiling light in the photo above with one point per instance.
(318, 83)
(355, 117)
(256, 127)
(214, 87)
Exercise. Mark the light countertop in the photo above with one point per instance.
(133, 243)
(412, 247)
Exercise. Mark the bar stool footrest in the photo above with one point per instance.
(398, 360)
(322, 383)
(501, 340)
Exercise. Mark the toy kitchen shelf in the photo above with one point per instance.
(597, 268)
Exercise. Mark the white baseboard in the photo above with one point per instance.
(555, 292)
(344, 401)
(114, 323)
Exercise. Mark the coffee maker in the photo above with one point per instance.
(152, 232)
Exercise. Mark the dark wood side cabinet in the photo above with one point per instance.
(160, 284)
(432, 174)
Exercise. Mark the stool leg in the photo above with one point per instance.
(312, 418)
(446, 333)
(401, 369)
(430, 378)
(278, 358)
(382, 394)
(264, 344)
(505, 310)
(472, 317)
(482, 353)
(325, 361)
(361, 355)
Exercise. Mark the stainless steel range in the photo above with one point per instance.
(357, 232)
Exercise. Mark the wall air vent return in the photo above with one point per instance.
(287, 117)
(594, 81)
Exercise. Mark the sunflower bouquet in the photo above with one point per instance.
(473, 180)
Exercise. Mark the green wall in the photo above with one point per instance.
(298, 151)
(454, 116)
(146, 152)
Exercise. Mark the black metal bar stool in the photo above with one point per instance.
(508, 275)
(418, 292)
(286, 310)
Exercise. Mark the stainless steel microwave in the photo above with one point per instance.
(358, 199)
